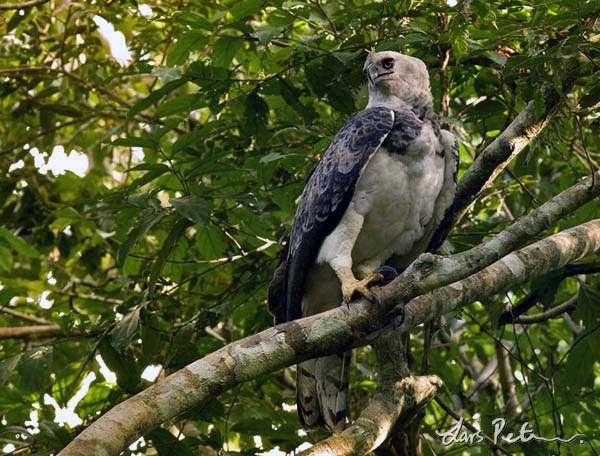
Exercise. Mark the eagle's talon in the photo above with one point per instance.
(352, 288)
(399, 317)
(375, 299)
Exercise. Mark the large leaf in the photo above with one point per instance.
(165, 251)
(7, 366)
(166, 444)
(194, 208)
(147, 221)
(18, 244)
(153, 171)
(35, 368)
(224, 50)
(125, 330)
(188, 42)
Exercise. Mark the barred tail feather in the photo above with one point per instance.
(322, 391)
(306, 395)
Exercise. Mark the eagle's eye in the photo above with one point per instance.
(387, 63)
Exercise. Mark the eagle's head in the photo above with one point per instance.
(396, 79)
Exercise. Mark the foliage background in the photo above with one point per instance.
(198, 147)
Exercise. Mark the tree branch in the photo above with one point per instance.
(22, 5)
(24, 316)
(397, 404)
(31, 332)
(553, 312)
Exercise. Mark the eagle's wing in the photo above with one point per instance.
(325, 198)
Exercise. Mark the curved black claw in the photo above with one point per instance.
(398, 315)
(387, 272)
(375, 299)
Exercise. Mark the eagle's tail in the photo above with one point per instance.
(322, 391)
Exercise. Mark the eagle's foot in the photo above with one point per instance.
(352, 287)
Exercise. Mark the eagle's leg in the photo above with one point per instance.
(351, 285)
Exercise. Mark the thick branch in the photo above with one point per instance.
(375, 422)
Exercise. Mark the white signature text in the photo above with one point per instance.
(459, 434)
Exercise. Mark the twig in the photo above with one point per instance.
(553, 312)
(22, 5)
(24, 316)
(31, 332)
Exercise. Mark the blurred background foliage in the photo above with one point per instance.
(151, 157)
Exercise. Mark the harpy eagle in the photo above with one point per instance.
(376, 197)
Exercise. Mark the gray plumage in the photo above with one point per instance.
(377, 196)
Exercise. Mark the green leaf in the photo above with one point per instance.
(265, 33)
(147, 221)
(63, 109)
(191, 137)
(190, 41)
(193, 208)
(224, 50)
(7, 366)
(588, 310)
(547, 286)
(18, 244)
(166, 444)
(165, 251)
(151, 336)
(480, 8)
(123, 365)
(194, 20)
(154, 97)
(496, 57)
(125, 330)
(246, 8)
(347, 57)
(6, 258)
(592, 98)
(133, 141)
(270, 157)
(341, 99)
(167, 74)
(182, 105)
(53, 435)
(154, 171)
(579, 368)
(35, 367)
